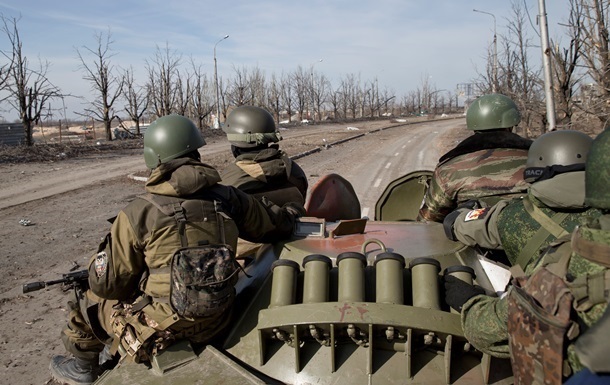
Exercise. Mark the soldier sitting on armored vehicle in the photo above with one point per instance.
(260, 167)
(166, 270)
(487, 166)
(553, 206)
(556, 313)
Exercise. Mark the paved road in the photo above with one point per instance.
(373, 161)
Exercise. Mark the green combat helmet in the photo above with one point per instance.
(490, 112)
(249, 126)
(169, 137)
(556, 148)
(597, 173)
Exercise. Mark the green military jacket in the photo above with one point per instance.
(485, 166)
(269, 173)
(509, 226)
(484, 318)
(143, 239)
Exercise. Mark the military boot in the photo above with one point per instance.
(74, 371)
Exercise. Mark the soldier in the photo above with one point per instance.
(552, 207)
(487, 166)
(260, 168)
(129, 300)
(548, 318)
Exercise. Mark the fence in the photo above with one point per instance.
(12, 134)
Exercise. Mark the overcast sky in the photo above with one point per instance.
(399, 42)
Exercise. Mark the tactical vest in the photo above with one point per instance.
(254, 178)
(199, 298)
(541, 315)
(526, 228)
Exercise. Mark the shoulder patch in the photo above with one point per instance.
(101, 264)
(476, 214)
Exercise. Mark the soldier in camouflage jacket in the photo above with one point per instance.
(553, 206)
(568, 289)
(260, 167)
(130, 276)
(487, 166)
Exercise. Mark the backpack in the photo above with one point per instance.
(542, 312)
(202, 277)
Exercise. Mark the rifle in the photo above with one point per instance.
(78, 278)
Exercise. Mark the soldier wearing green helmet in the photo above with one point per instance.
(487, 166)
(554, 321)
(185, 215)
(553, 206)
(260, 167)
(162, 144)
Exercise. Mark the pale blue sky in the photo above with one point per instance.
(397, 41)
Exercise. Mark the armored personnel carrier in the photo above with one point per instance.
(346, 300)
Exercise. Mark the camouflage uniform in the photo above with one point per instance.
(487, 166)
(142, 241)
(270, 173)
(484, 318)
(508, 226)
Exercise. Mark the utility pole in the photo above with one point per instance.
(494, 82)
(546, 62)
(217, 122)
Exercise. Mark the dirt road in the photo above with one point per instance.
(67, 204)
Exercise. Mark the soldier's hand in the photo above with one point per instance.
(470, 204)
(295, 209)
(458, 292)
(448, 223)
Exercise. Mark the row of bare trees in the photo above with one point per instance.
(580, 66)
(176, 85)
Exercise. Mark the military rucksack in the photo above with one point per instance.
(542, 310)
(539, 310)
(202, 277)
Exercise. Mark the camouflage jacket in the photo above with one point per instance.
(485, 318)
(485, 166)
(143, 239)
(509, 226)
(269, 173)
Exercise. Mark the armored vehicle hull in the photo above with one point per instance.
(344, 302)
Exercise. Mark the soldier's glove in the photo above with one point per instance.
(471, 204)
(458, 292)
(294, 209)
(448, 224)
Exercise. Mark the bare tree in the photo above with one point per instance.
(101, 74)
(239, 91)
(29, 90)
(163, 75)
(300, 83)
(321, 86)
(565, 63)
(274, 97)
(595, 52)
(136, 98)
(202, 96)
(518, 79)
(183, 93)
(350, 87)
(334, 99)
(287, 94)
